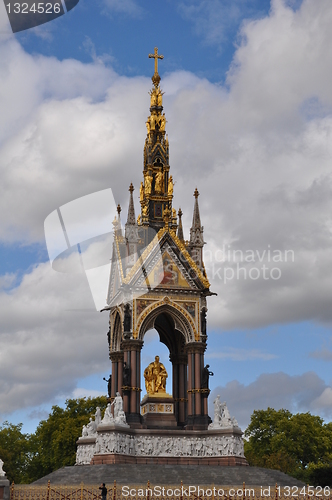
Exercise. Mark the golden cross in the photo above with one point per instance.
(156, 56)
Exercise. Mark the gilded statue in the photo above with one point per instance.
(145, 211)
(139, 220)
(170, 186)
(148, 125)
(154, 98)
(148, 183)
(162, 123)
(160, 97)
(141, 192)
(159, 182)
(155, 377)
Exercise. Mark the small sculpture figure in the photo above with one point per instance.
(170, 186)
(84, 431)
(91, 427)
(154, 98)
(97, 416)
(222, 418)
(127, 319)
(148, 126)
(141, 192)
(155, 377)
(205, 377)
(109, 385)
(109, 336)
(139, 220)
(108, 417)
(162, 123)
(159, 97)
(119, 414)
(145, 211)
(2, 472)
(159, 182)
(148, 183)
(126, 375)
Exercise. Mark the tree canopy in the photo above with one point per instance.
(299, 445)
(53, 445)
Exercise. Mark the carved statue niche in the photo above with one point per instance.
(127, 319)
(203, 322)
(159, 182)
(205, 377)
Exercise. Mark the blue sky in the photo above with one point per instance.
(249, 108)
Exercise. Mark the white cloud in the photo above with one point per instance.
(238, 354)
(298, 393)
(259, 151)
(51, 336)
(128, 7)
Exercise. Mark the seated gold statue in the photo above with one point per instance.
(155, 377)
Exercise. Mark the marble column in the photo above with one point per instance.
(132, 356)
(197, 396)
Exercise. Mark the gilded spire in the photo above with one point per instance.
(156, 192)
(156, 78)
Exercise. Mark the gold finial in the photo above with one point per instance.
(196, 193)
(131, 188)
(118, 209)
(180, 213)
(156, 78)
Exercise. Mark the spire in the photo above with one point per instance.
(131, 219)
(156, 192)
(196, 217)
(196, 242)
(180, 228)
(131, 233)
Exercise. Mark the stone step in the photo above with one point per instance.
(168, 475)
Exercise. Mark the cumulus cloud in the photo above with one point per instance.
(51, 335)
(298, 393)
(259, 150)
(238, 354)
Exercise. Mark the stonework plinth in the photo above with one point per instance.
(155, 446)
(157, 411)
(4, 488)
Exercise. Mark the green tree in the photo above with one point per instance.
(293, 444)
(53, 445)
(14, 451)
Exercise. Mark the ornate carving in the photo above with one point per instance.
(211, 445)
(222, 418)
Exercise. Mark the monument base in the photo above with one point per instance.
(158, 411)
(123, 445)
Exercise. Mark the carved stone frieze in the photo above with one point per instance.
(114, 442)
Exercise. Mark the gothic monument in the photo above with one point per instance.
(158, 280)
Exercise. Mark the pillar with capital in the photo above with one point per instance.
(132, 392)
(197, 395)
